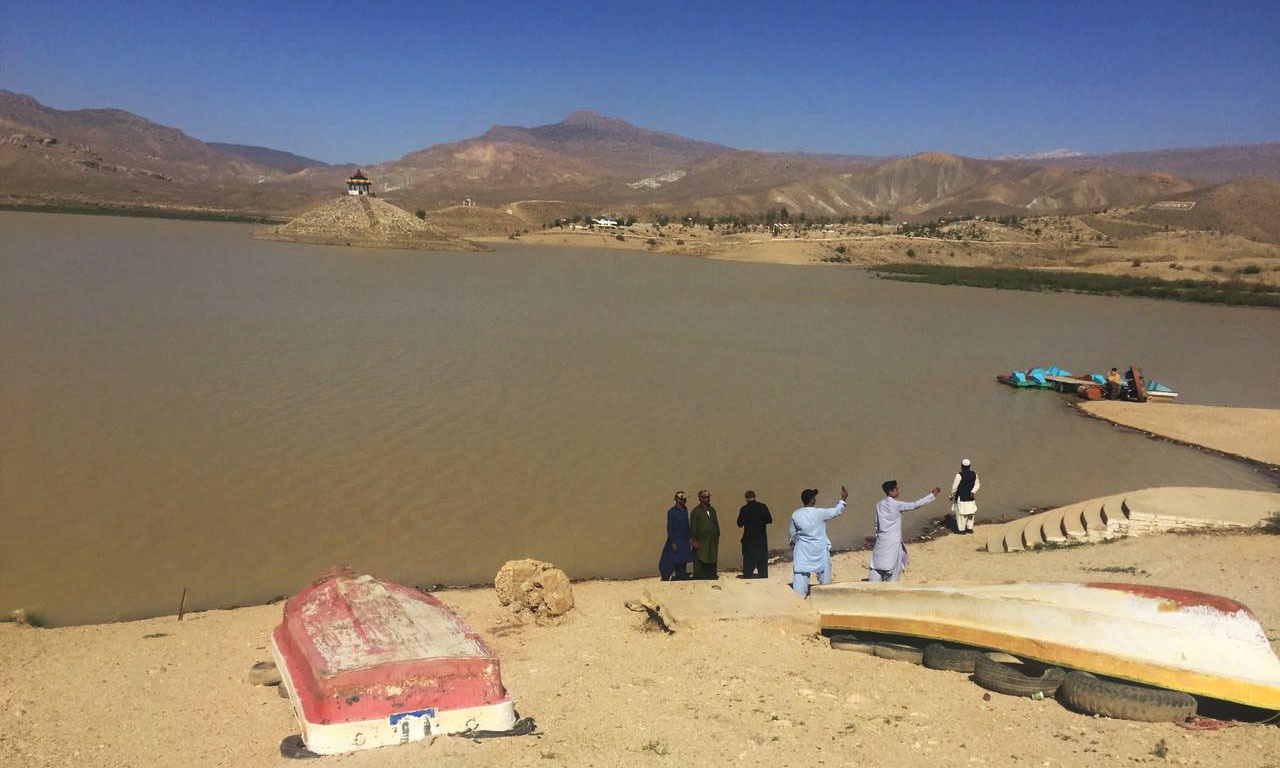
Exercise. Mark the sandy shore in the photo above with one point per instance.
(1252, 433)
(761, 690)
(604, 692)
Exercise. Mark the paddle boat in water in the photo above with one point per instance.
(1171, 638)
(368, 663)
(1032, 378)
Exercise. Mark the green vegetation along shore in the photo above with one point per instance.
(1232, 292)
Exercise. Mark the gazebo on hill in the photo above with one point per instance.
(358, 183)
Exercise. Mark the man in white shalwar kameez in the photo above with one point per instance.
(964, 492)
(808, 536)
(889, 557)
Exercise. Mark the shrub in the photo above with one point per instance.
(911, 253)
(651, 242)
(420, 213)
(840, 249)
(679, 242)
(619, 238)
(1136, 263)
(1216, 268)
(1252, 269)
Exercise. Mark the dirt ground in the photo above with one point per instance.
(604, 691)
(1059, 242)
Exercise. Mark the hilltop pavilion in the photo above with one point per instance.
(358, 183)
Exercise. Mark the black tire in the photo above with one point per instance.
(899, 652)
(292, 747)
(1085, 693)
(938, 656)
(852, 643)
(1016, 679)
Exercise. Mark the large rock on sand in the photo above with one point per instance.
(535, 588)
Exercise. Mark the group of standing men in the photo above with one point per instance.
(693, 536)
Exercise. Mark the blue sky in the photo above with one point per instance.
(372, 81)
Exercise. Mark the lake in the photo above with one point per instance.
(185, 407)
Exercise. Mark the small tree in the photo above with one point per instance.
(420, 214)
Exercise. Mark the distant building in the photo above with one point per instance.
(605, 221)
(358, 183)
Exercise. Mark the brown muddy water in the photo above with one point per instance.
(184, 407)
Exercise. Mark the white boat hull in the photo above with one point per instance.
(1171, 638)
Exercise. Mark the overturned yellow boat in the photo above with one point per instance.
(1172, 638)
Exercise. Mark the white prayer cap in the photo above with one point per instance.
(965, 463)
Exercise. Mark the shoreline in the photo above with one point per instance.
(173, 693)
(602, 688)
(1230, 439)
(933, 528)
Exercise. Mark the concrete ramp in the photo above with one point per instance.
(1136, 513)
(686, 604)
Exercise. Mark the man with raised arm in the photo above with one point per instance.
(808, 536)
(889, 557)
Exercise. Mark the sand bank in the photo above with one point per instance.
(759, 690)
(1252, 433)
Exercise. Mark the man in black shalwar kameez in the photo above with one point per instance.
(752, 519)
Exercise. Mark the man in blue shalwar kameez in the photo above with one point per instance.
(676, 553)
(808, 535)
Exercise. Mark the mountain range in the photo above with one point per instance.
(588, 162)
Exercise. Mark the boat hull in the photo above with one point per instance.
(1188, 641)
(369, 663)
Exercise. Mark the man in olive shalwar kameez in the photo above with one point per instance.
(704, 529)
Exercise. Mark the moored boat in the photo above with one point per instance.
(1172, 638)
(368, 663)
(1032, 378)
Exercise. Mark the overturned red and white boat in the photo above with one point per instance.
(1172, 638)
(370, 663)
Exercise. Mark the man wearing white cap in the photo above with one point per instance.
(964, 489)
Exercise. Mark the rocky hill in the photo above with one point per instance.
(285, 162)
(1202, 164)
(1245, 208)
(365, 222)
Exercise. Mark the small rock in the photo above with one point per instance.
(263, 673)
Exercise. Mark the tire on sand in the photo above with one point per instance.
(938, 656)
(899, 652)
(851, 643)
(1085, 693)
(1016, 679)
